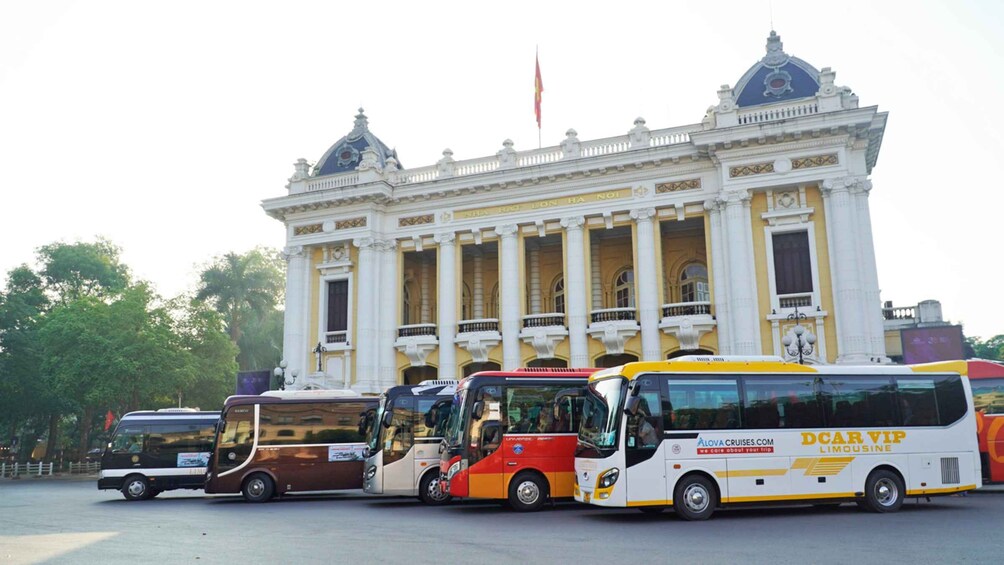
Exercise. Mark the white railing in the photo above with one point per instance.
(337, 337)
(612, 315)
(11, 470)
(686, 309)
(333, 181)
(84, 467)
(900, 313)
(774, 113)
(800, 300)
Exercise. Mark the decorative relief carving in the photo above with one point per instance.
(751, 169)
(787, 199)
(814, 161)
(359, 222)
(676, 186)
(308, 229)
(415, 220)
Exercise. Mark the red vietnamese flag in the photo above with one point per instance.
(109, 419)
(538, 88)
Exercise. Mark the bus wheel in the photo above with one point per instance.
(695, 498)
(258, 488)
(527, 492)
(430, 492)
(136, 487)
(884, 491)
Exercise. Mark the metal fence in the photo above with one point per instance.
(11, 470)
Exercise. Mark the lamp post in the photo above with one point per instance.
(285, 377)
(801, 344)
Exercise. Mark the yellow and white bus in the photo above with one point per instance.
(699, 433)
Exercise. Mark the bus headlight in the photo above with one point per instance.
(454, 469)
(371, 472)
(608, 478)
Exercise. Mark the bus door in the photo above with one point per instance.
(644, 457)
(484, 440)
(398, 438)
(430, 418)
(236, 438)
(128, 448)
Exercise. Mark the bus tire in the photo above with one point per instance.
(695, 498)
(136, 487)
(527, 492)
(258, 488)
(429, 490)
(884, 491)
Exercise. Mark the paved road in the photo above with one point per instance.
(69, 521)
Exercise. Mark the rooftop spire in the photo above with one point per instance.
(360, 127)
(775, 51)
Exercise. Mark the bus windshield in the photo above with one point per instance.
(373, 426)
(601, 412)
(455, 424)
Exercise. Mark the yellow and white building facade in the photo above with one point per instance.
(715, 237)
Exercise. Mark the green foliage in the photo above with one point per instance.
(201, 332)
(992, 348)
(73, 270)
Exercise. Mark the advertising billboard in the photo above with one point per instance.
(253, 382)
(925, 345)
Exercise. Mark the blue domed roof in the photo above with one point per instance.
(776, 78)
(346, 154)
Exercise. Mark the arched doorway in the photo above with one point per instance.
(554, 363)
(682, 352)
(472, 368)
(415, 375)
(604, 361)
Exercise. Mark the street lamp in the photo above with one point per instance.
(801, 344)
(285, 377)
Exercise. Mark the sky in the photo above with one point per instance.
(163, 125)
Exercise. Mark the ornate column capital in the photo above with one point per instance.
(293, 252)
(385, 244)
(506, 230)
(445, 238)
(365, 243)
(848, 183)
(643, 214)
(573, 222)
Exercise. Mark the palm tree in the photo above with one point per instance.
(241, 287)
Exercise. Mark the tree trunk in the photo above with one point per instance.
(50, 445)
(86, 423)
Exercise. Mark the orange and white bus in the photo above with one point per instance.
(512, 434)
(987, 381)
(698, 433)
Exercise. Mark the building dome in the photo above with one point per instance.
(776, 78)
(346, 153)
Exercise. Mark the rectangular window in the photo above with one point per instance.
(531, 410)
(858, 401)
(338, 306)
(310, 423)
(782, 402)
(792, 263)
(988, 395)
(701, 404)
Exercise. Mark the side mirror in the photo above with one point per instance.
(478, 410)
(388, 416)
(631, 405)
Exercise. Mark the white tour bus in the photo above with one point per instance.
(153, 451)
(403, 436)
(698, 433)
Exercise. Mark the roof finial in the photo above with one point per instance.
(775, 51)
(361, 126)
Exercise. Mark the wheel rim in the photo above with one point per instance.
(886, 492)
(696, 498)
(435, 493)
(136, 488)
(256, 487)
(528, 492)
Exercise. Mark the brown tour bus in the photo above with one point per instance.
(289, 441)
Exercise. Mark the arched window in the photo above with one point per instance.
(694, 284)
(493, 305)
(624, 289)
(472, 368)
(558, 294)
(607, 361)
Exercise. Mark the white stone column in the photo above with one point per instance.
(847, 290)
(478, 300)
(425, 289)
(742, 294)
(648, 284)
(447, 281)
(720, 278)
(387, 302)
(294, 337)
(534, 250)
(575, 291)
(509, 281)
(366, 316)
(872, 314)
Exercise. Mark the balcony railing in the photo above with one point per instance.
(543, 320)
(337, 337)
(613, 315)
(900, 313)
(686, 309)
(417, 330)
(802, 300)
(482, 325)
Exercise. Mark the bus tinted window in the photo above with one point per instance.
(129, 439)
(988, 395)
(858, 401)
(951, 399)
(530, 410)
(303, 423)
(782, 402)
(918, 405)
(701, 404)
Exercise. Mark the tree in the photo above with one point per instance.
(992, 348)
(201, 332)
(74, 270)
(245, 289)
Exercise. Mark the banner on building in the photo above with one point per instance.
(253, 382)
(926, 345)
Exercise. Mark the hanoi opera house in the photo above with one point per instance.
(710, 238)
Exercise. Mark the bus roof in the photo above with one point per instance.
(983, 369)
(726, 364)
(161, 415)
(290, 399)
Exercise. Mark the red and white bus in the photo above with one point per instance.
(289, 441)
(987, 381)
(512, 435)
